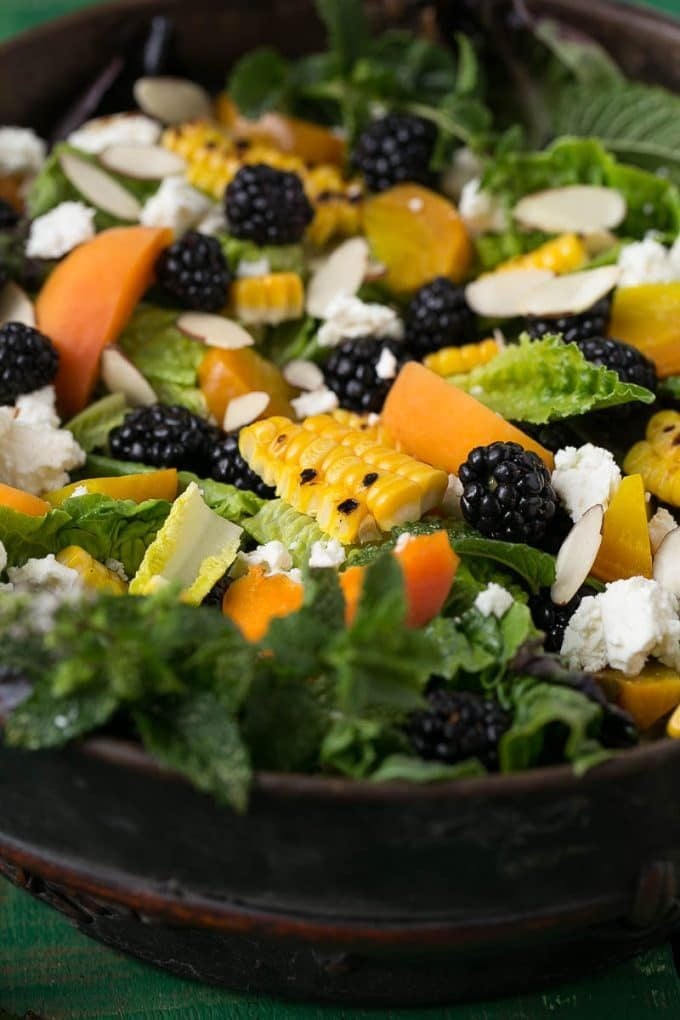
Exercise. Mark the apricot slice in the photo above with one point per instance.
(254, 600)
(89, 298)
(417, 235)
(23, 502)
(648, 317)
(626, 549)
(438, 423)
(224, 375)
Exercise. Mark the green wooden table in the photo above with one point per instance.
(51, 971)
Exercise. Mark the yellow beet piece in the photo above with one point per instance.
(626, 549)
(94, 575)
(139, 487)
(657, 457)
(439, 424)
(648, 317)
(417, 235)
(649, 696)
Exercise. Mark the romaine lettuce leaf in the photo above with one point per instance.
(536, 568)
(415, 770)
(275, 521)
(92, 426)
(543, 380)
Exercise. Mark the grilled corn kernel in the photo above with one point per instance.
(268, 300)
(561, 255)
(458, 360)
(657, 457)
(92, 573)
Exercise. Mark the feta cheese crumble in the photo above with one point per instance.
(275, 558)
(481, 212)
(35, 457)
(119, 129)
(584, 477)
(176, 205)
(248, 268)
(624, 625)
(49, 584)
(649, 261)
(38, 408)
(495, 600)
(386, 366)
(320, 401)
(60, 230)
(465, 167)
(330, 553)
(21, 151)
(348, 317)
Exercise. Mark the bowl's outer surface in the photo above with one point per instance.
(325, 888)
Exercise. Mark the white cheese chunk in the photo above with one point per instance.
(21, 151)
(330, 553)
(176, 205)
(60, 230)
(495, 600)
(584, 477)
(348, 317)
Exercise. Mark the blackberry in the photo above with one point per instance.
(216, 593)
(394, 149)
(194, 272)
(267, 206)
(553, 619)
(438, 316)
(351, 372)
(164, 436)
(630, 365)
(592, 322)
(9, 217)
(554, 436)
(457, 725)
(507, 493)
(28, 361)
(227, 465)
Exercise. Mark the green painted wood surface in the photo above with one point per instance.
(49, 969)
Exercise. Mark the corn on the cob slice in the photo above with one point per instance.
(367, 424)
(458, 360)
(93, 574)
(561, 255)
(657, 457)
(267, 300)
(351, 483)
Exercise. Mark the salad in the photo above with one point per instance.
(339, 412)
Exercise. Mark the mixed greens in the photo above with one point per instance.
(339, 413)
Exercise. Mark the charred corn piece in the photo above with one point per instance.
(93, 574)
(268, 300)
(561, 255)
(345, 517)
(367, 424)
(657, 457)
(458, 360)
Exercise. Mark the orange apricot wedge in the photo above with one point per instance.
(23, 502)
(226, 374)
(438, 423)
(88, 299)
(255, 599)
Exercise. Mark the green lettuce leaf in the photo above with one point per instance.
(168, 358)
(670, 387)
(543, 380)
(276, 521)
(282, 258)
(534, 567)
(414, 770)
(47, 720)
(92, 426)
(353, 747)
(289, 340)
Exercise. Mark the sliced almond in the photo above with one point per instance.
(99, 188)
(570, 294)
(503, 295)
(172, 100)
(577, 554)
(598, 242)
(375, 271)
(244, 410)
(667, 562)
(16, 306)
(304, 375)
(119, 375)
(340, 275)
(660, 525)
(214, 330)
(579, 208)
(143, 162)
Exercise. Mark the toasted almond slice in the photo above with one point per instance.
(667, 562)
(304, 375)
(244, 410)
(172, 100)
(503, 295)
(577, 555)
(16, 306)
(570, 294)
(214, 330)
(340, 275)
(143, 162)
(660, 525)
(375, 271)
(579, 208)
(119, 375)
(598, 242)
(99, 188)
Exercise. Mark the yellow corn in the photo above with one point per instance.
(561, 255)
(93, 574)
(267, 300)
(458, 360)
(657, 457)
(213, 160)
(673, 728)
(350, 481)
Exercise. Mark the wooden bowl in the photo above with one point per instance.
(330, 889)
